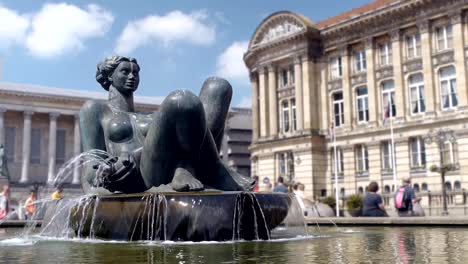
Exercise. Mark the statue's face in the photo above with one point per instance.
(126, 77)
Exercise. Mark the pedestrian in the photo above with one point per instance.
(405, 198)
(29, 205)
(298, 190)
(373, 204)
(265, 185)
(57, 195)
(256, 186)
(280, 186)
(4, 201)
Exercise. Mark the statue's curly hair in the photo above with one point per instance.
(106, 67)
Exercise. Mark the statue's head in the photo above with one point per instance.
(120, 72)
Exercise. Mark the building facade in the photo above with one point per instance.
(39, 128)
(396, 65)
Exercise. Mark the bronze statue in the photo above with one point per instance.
(176, 146)
(4, 173)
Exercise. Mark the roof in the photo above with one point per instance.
(374, 5)
(69, 93)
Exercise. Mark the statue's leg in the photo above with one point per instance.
(173, 143)
(216, 94)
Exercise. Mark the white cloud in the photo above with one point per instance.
(245, 102)
(230, 64)
(173, 27)
(12, 27)
(59, 28)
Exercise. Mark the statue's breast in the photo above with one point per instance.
(120, 129)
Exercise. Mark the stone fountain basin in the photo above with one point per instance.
(201, 216)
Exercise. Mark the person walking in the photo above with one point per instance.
(57, 195)
(405, 198)
(373, 205)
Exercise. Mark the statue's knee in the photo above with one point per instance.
(216, 87)
(182, 101)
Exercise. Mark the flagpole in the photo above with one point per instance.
(393, 143)
(336, 171)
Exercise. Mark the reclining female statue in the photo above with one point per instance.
(176, 146)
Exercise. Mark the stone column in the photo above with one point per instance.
(263, 103)
(345, 62)
(459, 55)
(372, 90)
(255, 112)
(400, 95)
(26, 146)
(52, 146)
(306, 92)
(272, 101)
(76, 149)
(298, 93)
(2, 126)
(426, 52)
(324, 98)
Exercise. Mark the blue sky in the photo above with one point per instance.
(177, 43)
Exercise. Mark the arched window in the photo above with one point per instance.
(416, 187)
(424, 187)
(387, 189)
(388, 99)
(416, 89)
(448, 87)
(448, 186)
(360, 190)
(457, 185)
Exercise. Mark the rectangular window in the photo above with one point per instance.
(340, 161)
(285, 116)
(286, 164)
(387, 155)
(294, 118)
(35, 156)
(284, 78)
(385, 54)
(60, 147)
(338, 109)
(416, 88)
(336, 67)
(360, 61)
(362, 104)
(450, 152)
(418, 152)
(362, 158)
(10, 141)
(444, 37)
(413, 46)
(448, 85)
(388, 99)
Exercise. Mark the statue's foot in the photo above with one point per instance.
(184, 181)
(245, 182)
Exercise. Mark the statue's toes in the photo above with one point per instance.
(196, 185)
(180, 187)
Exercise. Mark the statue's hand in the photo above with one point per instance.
(113, 172)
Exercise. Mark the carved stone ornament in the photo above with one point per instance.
(335, 84)
(443, 58)
(423, 26)
(412, 65)
(359, 78)
(283, 29)
(455, 17)
(384, 72)
(395, 35)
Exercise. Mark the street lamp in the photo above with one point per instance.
(441, 137)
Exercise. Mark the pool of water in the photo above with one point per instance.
(325, 245)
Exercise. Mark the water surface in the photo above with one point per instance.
(327, 245)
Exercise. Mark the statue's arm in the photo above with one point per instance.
(92, 137)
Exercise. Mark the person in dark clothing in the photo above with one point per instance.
(373, 204)
(409, 198)
(280, 187)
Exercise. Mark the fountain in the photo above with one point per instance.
(158, 176)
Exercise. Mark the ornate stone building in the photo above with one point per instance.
(399, 63)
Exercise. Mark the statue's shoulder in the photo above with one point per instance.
(94, 105)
